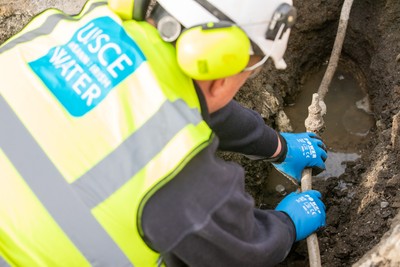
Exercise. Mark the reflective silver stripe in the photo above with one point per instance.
(117, 168)
(55, 193)
(47, 27)
(3, 263)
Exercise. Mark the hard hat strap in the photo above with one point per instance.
(215, 11)
(264, 59)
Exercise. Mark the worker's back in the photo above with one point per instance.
(80, 107)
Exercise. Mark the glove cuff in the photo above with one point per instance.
(282, 154)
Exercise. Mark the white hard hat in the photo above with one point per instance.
(267, 23)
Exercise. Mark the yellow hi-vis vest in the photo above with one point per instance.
(95, 116)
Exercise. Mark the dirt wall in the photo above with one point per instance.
(361, 211)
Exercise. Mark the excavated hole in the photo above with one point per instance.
(348, 122)
(360, 188)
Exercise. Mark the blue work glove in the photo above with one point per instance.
(306, 211)
(299, 151)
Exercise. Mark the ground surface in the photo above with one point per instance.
(361, 202)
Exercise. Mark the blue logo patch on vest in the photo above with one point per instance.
(82, 72)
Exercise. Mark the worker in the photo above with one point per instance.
(110, 123)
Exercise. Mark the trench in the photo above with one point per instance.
(360, 186)
(349, 124)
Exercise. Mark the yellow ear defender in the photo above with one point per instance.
(204, 52)
(130, 9)
(213, 50)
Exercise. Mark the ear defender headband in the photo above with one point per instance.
(205, 52)
(130, 9)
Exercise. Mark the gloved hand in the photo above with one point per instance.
(302, 150)
(306, 211)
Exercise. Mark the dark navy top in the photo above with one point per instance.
(204, 217)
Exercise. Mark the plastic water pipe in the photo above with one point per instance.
(315, 123)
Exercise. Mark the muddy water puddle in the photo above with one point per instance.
(348, 122)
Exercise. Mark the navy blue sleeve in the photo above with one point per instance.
(203, 217)
(243, 130)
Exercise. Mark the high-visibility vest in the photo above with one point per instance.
(95, 117)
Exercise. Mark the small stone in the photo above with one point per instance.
(281, 189)
(386, 214)
(394, 181)
(395, 134)
(380, 125)
(384, 204)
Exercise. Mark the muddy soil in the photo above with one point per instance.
(362, 201)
